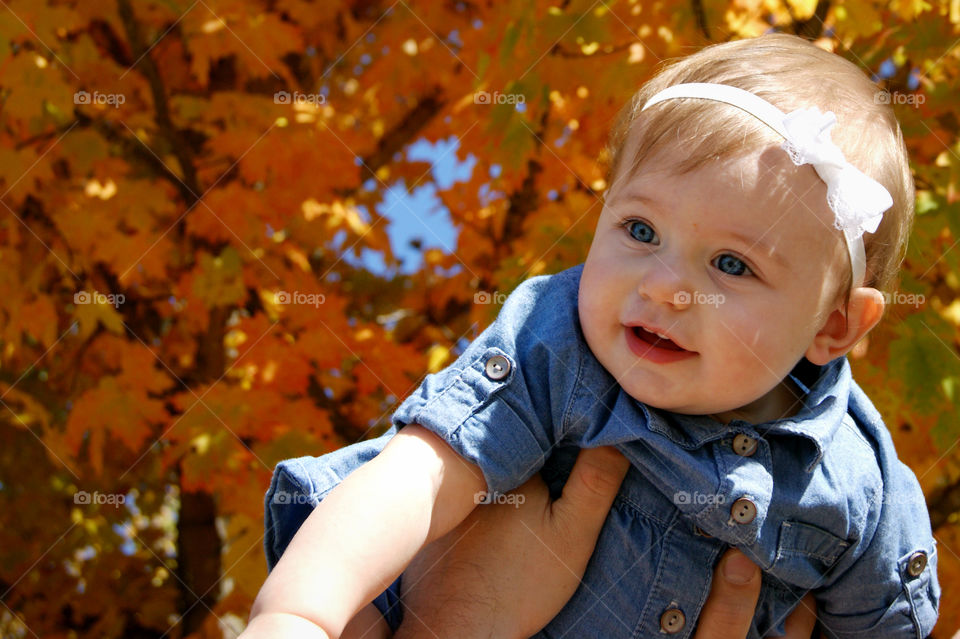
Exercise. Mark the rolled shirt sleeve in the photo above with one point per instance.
(299, 484)
(891, 587)
(891, 590)
(502, 404)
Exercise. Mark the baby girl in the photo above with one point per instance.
(759, 205)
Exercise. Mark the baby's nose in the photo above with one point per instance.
(666, 283)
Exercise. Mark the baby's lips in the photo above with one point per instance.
(662, 334)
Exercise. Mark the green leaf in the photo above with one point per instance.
(483, 63)
(510, 37)
(924, 357)
(220, 282)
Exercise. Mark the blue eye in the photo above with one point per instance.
(641, 231)
(731, 265)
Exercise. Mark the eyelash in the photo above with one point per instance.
(747, 271)
(625, 225)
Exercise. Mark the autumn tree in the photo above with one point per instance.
(191, 193)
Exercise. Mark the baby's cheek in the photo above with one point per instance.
(596, 328)
(752, 346)
(592, 300)
(765, 356)
(738, 327)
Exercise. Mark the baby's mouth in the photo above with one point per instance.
(656, 340)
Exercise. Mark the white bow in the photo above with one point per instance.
(858, 201)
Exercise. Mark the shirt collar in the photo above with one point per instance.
(824, 407)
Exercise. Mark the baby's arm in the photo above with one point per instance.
(361, 537)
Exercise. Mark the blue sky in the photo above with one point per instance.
(420, 214)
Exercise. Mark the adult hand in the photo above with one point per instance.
(510, 567)
(733, 598)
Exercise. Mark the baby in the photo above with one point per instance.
(759, 204)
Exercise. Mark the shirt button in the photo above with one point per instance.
(672, 621)
(497, 367)
(700, 531)
(744, 445)
(916, 563)
(743, 511)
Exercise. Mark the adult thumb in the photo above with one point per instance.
(590, 490)
(733, 597)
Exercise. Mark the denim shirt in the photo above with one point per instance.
(818, 500)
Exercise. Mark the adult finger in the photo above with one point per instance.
(590, 490)
(801, 621)
(733, 598)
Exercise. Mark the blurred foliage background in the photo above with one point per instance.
(198, 277)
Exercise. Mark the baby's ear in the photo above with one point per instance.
(845, 327)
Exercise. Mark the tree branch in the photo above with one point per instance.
(944, 502)
(404, 132)
(812, 27)
(148, 68)
(701, 15)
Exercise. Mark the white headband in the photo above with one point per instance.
(857, 201)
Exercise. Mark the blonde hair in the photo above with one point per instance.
(790, 73)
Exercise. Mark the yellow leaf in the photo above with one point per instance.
(952, 312)
(803, 9)
(220, 281)
(436, 357)
(89, 315)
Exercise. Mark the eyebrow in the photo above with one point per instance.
(754, 243)
(649, 201)
(763, 248)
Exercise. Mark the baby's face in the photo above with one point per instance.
(737, 263)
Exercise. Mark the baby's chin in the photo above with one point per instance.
(768, 408)
(685, 406)
(684, 402)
